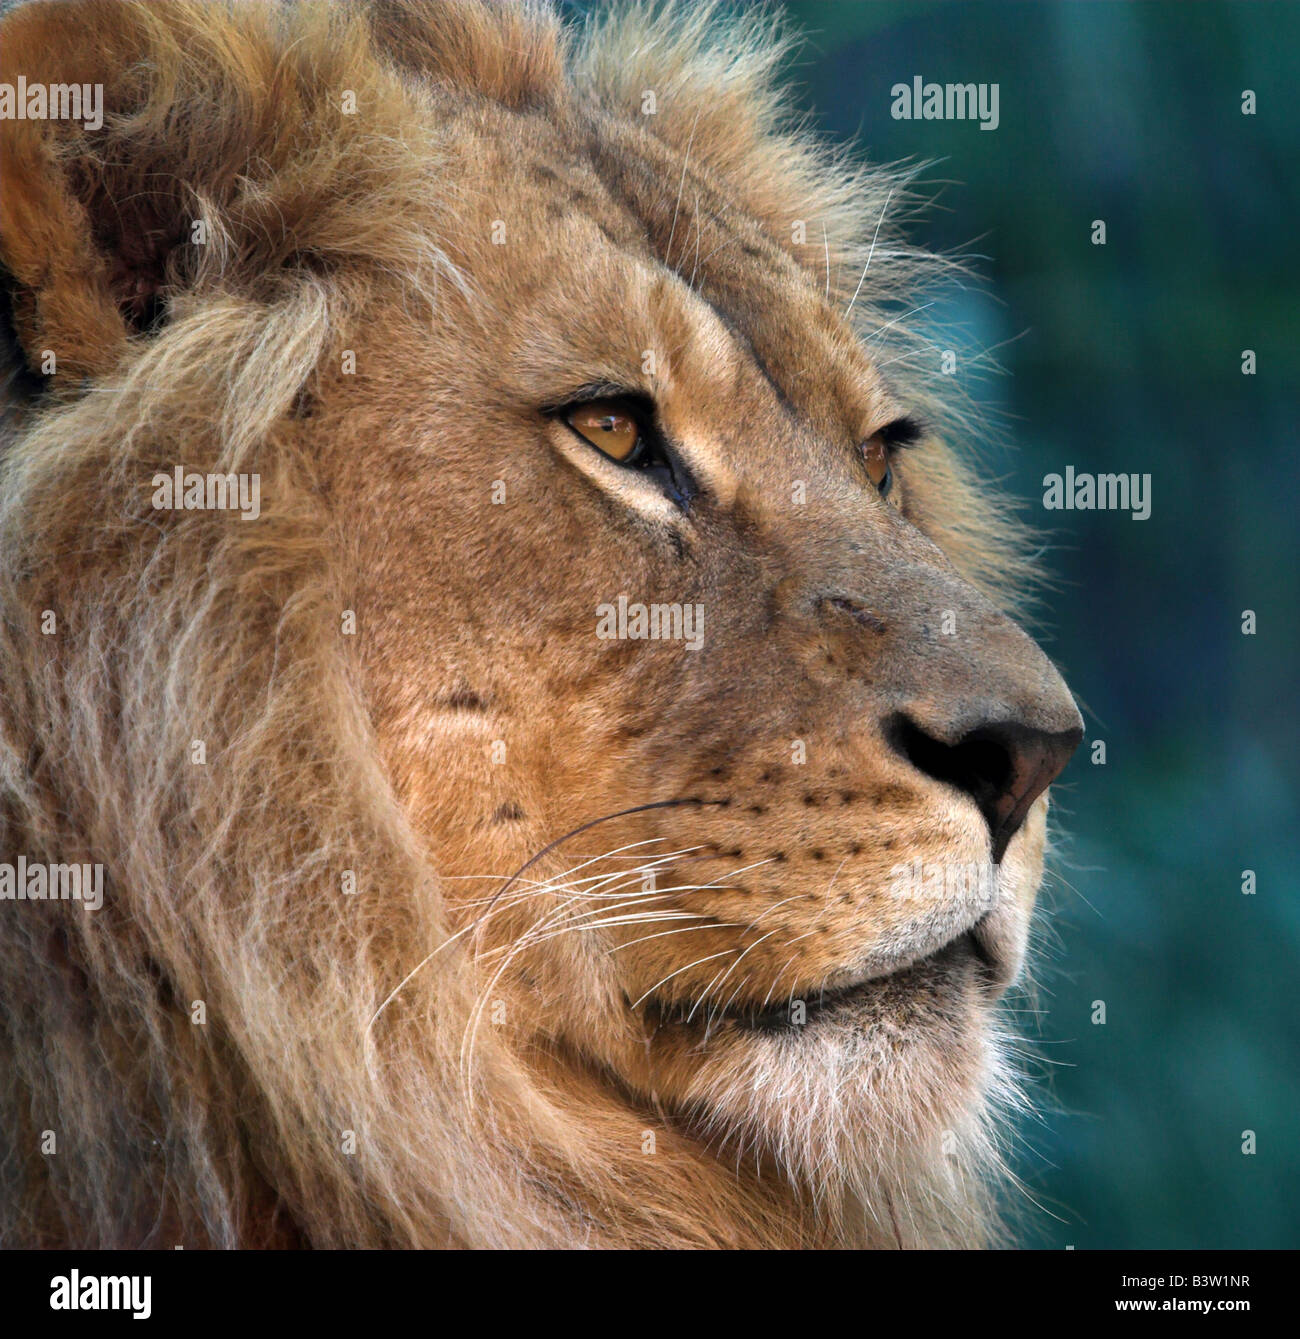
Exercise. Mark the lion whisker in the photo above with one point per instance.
(880, 330)
(720, 1011)
(641, 999)
(871, 252)
(767, 998)
(732, 968)
(574, 927)
(713, 925)
(686, 158)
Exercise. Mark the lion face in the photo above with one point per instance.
(797, 811)
(619, 625)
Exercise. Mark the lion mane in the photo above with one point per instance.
(233, 1051)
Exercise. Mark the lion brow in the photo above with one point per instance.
(902, 432)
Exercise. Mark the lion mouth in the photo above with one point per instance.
(966, 954)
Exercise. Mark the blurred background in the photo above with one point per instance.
(1127, 358)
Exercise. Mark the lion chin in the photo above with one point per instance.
(493, 607)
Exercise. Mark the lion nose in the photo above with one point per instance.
(1003, 765)
(961, 691)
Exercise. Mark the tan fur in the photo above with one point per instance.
(497, 1014)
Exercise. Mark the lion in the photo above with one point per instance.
(596, 796)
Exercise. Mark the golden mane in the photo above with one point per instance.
(289, 1113)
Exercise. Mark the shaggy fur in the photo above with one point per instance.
(455, 1054)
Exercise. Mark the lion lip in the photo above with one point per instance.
(974, 944)
(983, 945)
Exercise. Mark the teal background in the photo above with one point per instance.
(1129, 359)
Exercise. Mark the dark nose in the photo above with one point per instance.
(1004, 766)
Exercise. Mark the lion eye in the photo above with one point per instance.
(876, 455)
(624, 429)
(609, 427)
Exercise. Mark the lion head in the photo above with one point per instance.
(489, 578)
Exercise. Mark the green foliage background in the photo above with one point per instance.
(1129, 359)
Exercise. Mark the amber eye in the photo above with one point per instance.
(876, 455)
(608, 426)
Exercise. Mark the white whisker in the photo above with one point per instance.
(870, 253)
